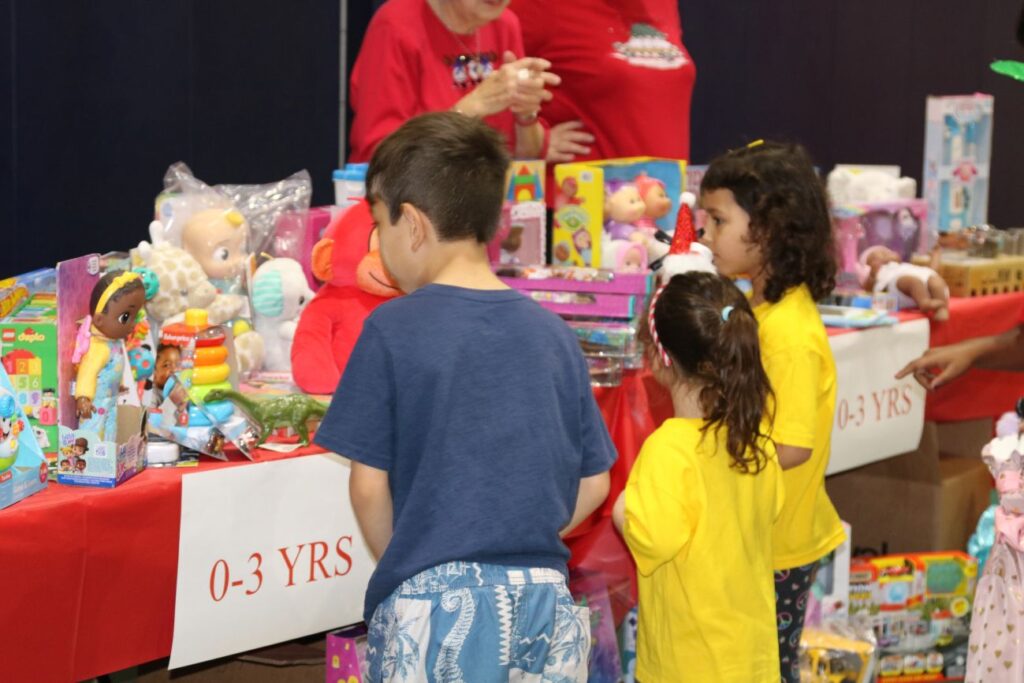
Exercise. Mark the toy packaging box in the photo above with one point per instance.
(829, 599)
(23, 469)
(957, 153)
(607, 211)
(200, 360)
(28, 352)
(591, 591)
(84, 459)
(522, 234)
(581, 292)
(919, 606)
(346, 656)
(900, 225)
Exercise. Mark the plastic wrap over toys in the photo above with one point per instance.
(205, 243)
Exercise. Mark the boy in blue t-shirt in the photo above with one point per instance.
(475, 440)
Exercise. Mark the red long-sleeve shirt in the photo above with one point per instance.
(411, 64)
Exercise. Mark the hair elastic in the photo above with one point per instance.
(654, 330)
(755, 143)
(116, 284)
(726, 312)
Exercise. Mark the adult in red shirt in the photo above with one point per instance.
(626, 76)
(420, 56)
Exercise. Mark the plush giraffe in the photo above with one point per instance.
(183, 284)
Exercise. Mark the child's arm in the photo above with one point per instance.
(795, 377)
(371, 500)
(999, 352)
(792, 456)
(593, 492)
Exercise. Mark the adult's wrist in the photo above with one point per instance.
(526, 121)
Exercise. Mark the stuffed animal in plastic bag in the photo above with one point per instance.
(183, 285)
(347, 260)
(279, 293)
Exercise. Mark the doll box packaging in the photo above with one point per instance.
(28, 353)
(86, 459)
(605, 211)
(522, 233)
(957, 154)
(23, 468)
(900, 225)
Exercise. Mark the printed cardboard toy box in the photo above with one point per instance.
(607, 211)
(22, 465)
(957, 153)
(28, 351)
(522, 234)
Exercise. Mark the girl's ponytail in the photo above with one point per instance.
(704, 328)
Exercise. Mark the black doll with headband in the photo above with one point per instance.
(114, 307)
(703, 495)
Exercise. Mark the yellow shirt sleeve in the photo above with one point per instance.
(795, 376)
(89, 369)
(664, 500)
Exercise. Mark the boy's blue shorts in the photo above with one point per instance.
(480, 623)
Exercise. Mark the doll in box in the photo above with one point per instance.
(623, 207)
(656, 202)
(114, 307)
(995, 652)
(882, 270)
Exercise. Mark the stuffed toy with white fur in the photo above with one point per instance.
(846, 186)
(279, 293)
(685, 253)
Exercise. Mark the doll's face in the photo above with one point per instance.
(625, 205)
(117, 320)
(166, 364)
(582, 240)
(216, 238)
(633, 260)
(880, 256)
(656, 202)
(514, 240)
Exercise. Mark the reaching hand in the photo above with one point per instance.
(943, 364)
(568, 140)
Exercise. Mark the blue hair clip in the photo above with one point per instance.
(726, 312)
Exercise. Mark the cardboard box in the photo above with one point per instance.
(957, 152)
(585, 236)
(28, 351)
(965, 438)
(975, 276)
(299, 661)
(914, 502)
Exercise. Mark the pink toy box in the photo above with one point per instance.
(346, 655)
(296, 233)
(607, 211)
(23, 468)
(521, 235)
(581, 292)
(901, 225)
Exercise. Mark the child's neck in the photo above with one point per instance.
(464, 264)
(757, 283)
(686, 401)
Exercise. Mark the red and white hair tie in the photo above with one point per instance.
(654, 329)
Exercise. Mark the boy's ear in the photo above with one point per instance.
(418, 224)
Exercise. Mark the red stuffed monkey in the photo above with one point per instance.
(347, 260)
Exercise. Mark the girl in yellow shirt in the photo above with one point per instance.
(698, 510)
(768, 217)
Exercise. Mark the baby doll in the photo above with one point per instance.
(656, 202)
(115, 304)
(882, 270)
(216, 238)
(623, 207)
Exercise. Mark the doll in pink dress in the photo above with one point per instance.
(996, 648)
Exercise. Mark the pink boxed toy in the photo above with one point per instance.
(296, 233)
(346, 655)
(581, 292)
(521, 235)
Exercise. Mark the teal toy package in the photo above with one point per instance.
(22, 465)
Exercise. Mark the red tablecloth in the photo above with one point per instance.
(93, 575)
(94, 571)
(979, 393)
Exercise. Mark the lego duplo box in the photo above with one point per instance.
(585, 229)
(28, 352)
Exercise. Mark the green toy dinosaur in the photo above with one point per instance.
(293, 410)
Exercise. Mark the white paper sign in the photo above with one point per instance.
(876, 416)
(268, 553)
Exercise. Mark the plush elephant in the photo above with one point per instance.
(279, 293)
